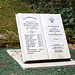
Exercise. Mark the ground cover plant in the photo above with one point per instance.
(8, 66)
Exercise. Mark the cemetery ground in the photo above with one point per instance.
(9, 39)
(8, 27)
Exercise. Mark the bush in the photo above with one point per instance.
(53, 7)
(68, 20)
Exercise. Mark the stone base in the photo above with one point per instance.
(16, 54)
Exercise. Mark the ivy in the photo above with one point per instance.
(53, 7)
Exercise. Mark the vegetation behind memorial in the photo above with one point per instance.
(63, 7)
(8, 9)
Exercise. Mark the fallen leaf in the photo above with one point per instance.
(59, 70)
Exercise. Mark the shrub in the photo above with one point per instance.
(53, 7)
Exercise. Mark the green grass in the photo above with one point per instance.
(8, 9)
(8, 66)
(7, 14)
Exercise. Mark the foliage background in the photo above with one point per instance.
(8, 9)
(63, 7)
(8, 28)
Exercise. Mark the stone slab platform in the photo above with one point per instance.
(16, 54)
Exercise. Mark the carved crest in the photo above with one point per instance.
(51, 20)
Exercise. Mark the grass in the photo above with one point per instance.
(8, 66)
(8, 9)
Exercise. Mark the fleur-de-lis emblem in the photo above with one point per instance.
(51, 20)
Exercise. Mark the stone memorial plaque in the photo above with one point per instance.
(42, 37)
